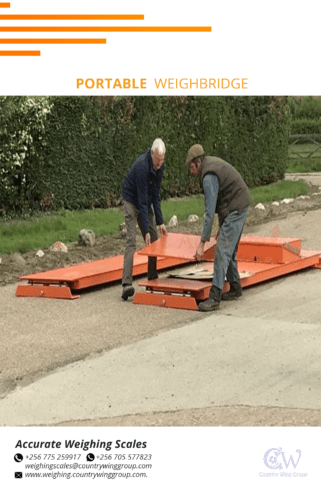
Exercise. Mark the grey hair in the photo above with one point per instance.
(158, 146)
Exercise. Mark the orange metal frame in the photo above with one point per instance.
(260, 258)
(65, 283)
(173, 293)
(263, 258)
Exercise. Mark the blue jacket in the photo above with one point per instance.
(141, 187)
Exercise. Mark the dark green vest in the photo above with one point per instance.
(233, 192)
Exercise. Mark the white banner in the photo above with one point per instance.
(203, 48)
(160, 459)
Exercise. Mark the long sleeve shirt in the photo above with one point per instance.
(211, 188)
(141, 187)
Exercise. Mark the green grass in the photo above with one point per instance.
(279, 190)
(41, 232)
(303, 165)
(182, 208)
(23, 235)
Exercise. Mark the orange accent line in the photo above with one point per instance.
(108, 29)
(52, 41)
(19, 53)
(4, 5)
(70, 17)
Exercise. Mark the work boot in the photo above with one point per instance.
(234, 293)
(128, 291)
(213, 302)
(152, 270)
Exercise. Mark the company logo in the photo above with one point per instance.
(282, 464)
(275, 458)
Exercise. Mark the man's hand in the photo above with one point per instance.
(162, 229)
(147, 239)
(200, 251)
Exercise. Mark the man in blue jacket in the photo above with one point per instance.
(142, 204)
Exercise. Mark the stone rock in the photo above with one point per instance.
(59, 247)
(276, 203)
(18, 259)
(86, 237)
(193, 218)
(122, 229)
(260, 207)
(304, 197)
(40, 253)
(173, 222)
(287, 201)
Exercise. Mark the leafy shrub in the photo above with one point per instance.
(78, 149)
(307, 107)
(22, 127)
(306, 126)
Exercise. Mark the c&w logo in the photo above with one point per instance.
(274, 458)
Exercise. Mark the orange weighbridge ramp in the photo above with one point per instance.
(259, 259)
(67, 282)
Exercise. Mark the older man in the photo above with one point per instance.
(142, 204)
(226, 193)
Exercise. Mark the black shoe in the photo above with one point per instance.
(234, 293)
(213, 302)
(209, 305)
(127, 292)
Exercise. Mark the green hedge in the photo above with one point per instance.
(88, 143)
(306, 115)
(306, 126)
(305, 107)
(256, 137)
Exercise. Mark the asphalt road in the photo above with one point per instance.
(100, 361)
(263, 350)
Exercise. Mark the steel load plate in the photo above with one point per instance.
(176, 245)
(259, 259)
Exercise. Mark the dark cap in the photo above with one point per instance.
(195, 151)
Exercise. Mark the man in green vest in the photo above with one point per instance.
(226, 194)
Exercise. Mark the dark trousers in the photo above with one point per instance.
(132, 217)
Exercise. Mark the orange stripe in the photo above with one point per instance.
(4, 5)
(19, 53)
(52, 41)
(108, 29)
(71, 17)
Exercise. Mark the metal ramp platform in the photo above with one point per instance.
(259, 259)
(66, 282)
